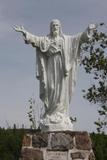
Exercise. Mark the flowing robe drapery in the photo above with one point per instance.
(56, 65)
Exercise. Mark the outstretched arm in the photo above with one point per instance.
(89, 32)
(28, 37)
(19, 29)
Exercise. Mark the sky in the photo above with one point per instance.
(17, 60)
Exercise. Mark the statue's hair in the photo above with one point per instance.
(60, 27)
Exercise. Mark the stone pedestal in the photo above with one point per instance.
(64, 145)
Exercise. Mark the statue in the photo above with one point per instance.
(57, 58)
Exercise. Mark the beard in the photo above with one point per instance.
(56, 32)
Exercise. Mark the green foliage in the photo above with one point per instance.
(95, 63)
(31, 113)
(10, 143)
(99, 142)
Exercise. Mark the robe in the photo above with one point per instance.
(56, 68)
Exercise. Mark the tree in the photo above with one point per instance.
(94, 62)
(31, 113)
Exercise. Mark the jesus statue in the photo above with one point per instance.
(57, 58)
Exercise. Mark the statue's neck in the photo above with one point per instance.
(55, 35)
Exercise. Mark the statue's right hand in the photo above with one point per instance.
(19, 29)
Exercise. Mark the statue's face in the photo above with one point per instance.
(55, 28)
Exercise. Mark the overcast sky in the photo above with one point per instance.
(17, 60)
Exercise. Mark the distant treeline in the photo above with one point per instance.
(99, 142)
(11, 143)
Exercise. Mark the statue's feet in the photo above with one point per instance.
(56, 122)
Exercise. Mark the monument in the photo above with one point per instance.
(57, 59)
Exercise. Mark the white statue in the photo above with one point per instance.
(57, 58)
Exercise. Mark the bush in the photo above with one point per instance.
(10, 143)
(99, 142)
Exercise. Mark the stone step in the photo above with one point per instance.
(60, 145)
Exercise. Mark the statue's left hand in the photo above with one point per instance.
(92, 27)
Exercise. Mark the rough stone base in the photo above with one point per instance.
(64, 145)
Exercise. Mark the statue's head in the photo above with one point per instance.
(55, 27)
